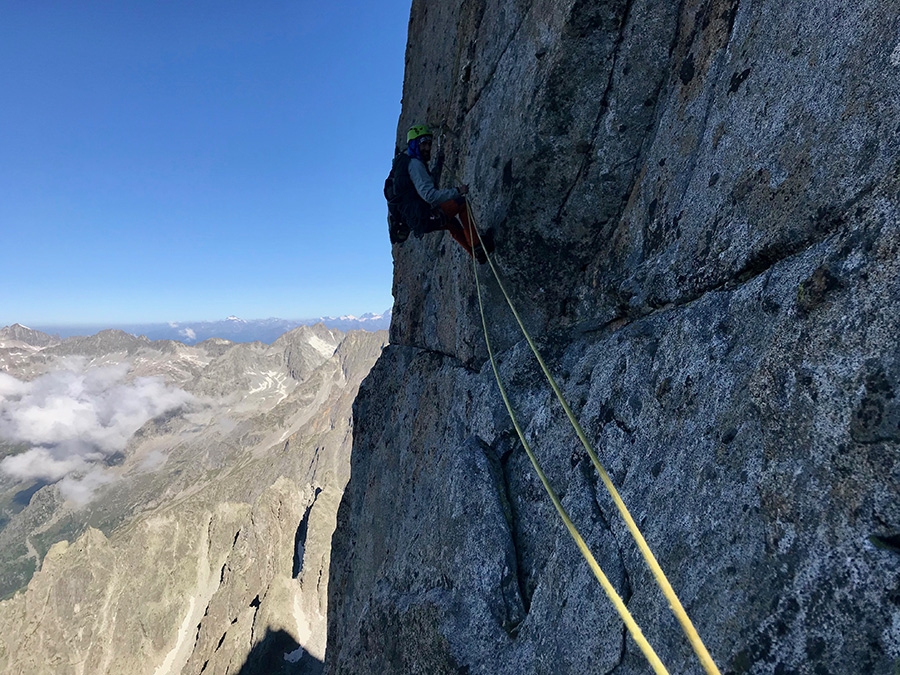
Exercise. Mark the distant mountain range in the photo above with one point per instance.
(232, 328)
(168, 508)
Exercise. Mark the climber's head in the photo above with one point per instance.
(419, 140)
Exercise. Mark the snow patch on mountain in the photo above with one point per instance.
(326, 349)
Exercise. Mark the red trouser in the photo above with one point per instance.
(456, 222)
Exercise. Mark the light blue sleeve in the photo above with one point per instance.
(425, 185)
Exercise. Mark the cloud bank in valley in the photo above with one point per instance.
(75, 420)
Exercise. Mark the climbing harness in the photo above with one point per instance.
(681, 615)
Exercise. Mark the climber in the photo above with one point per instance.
(425, 208)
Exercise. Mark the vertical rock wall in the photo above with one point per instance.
(696, 210)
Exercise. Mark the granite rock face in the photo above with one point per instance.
(696, 214)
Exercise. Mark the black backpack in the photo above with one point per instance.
(398, 228)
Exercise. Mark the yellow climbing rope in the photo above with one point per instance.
(681, 615)
(608, 588)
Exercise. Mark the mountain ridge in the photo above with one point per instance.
(202, 540)
(231, 328)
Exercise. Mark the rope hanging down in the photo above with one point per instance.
(608, 588)
(681, 615)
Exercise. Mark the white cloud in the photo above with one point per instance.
(80, 489)
(153, 460)
(10, 386)
(43, 464)
(76, 418)
(188, 333)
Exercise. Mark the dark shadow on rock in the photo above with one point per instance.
(268, 657)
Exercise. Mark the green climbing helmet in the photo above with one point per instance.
(418, 131)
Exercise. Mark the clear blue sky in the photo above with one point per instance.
(187, 160)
